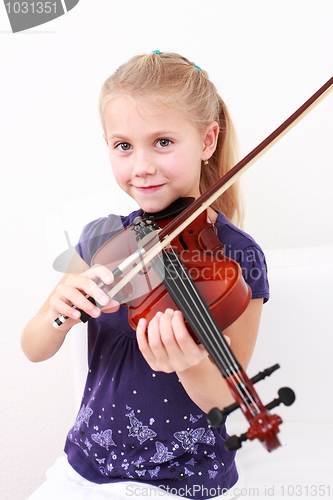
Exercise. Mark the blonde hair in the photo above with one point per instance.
(171, 80)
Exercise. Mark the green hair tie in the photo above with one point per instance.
(156, 52)
(197, 67)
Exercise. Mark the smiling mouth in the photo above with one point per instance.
(149, 189)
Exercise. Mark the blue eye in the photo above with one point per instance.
(123, 146)
(164, 142)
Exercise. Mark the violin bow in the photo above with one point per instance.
(157, 243)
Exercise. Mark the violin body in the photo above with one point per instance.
(217, 278)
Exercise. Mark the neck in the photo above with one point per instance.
(212, 215)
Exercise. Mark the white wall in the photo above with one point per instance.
(266, 58)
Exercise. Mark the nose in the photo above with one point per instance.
(143, 164)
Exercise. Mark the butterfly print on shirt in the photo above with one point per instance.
(154, 472)
(189, 438)
(140, 473)
(142, 432)
(104, 439)
(83, 416)
(212, 474)
(208, 438)
(162, 454)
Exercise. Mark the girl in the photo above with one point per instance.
(142, 421)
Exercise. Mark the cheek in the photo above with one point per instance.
(184, 168)
(118, 173)
(118, 165)
(182, 163)
(119, 176)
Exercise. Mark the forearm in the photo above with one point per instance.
(40, 340)
(205, 386)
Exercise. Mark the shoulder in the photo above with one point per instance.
(241, 247)
(231, 236)
(98, 231)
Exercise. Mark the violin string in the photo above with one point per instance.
(217, 348)
(166, 269)
(209, 339)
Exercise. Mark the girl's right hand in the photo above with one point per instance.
(72, 292)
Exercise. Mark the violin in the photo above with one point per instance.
(193, 275)
(160, 272)
(196, 256)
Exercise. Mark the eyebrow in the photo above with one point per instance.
(161, 133)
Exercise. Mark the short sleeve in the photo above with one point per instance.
(254, 269)
(241, 247)
(97, 232)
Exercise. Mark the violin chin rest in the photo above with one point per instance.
(172, 210)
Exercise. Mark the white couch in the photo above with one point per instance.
(296, 332)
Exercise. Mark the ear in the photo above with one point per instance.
(105, 140)
(210, 140)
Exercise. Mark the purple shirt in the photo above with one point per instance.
(137, 424)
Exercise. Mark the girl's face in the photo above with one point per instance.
(155, 155)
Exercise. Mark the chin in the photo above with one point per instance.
(153, 207)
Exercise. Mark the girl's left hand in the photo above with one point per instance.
(168, 346)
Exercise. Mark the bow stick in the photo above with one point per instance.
(157, 242)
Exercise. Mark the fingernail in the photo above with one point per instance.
(104, 299)
(142, 321)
